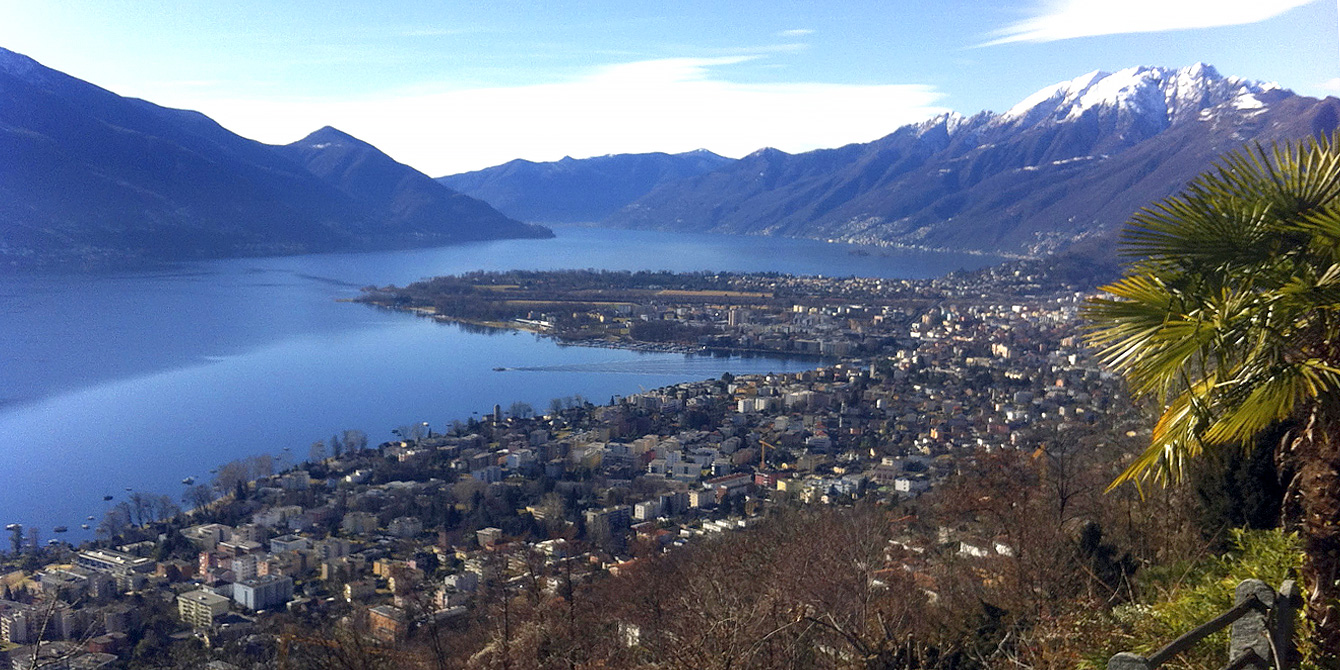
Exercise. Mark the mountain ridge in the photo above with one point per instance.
(94, 179)
(578, 190)
(1051, 171)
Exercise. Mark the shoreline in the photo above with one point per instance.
(626, 345)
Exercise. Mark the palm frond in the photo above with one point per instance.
(1228, 317)
(1273, 398)
(1173, 444)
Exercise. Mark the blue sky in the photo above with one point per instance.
(448, 86)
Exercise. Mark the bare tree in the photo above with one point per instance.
(140, 507)
(230, 475)
(260, 465)
(164, 508)
(198, 496)
(355, 440)
(116, 520)
(60, 657)
(317, 452)
(338, 648)
(410, 432)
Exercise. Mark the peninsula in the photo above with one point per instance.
(770, 313)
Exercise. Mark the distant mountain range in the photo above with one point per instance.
(579, 191)
(1065, 167)
(88, 177)
(91, 178)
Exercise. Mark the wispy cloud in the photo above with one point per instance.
(430, 31)
(795, 32)
(1067, 19)
(780, 48)
(788, 47)
(676, 104)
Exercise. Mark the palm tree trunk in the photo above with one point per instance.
(1317, 456)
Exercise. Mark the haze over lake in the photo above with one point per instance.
(140, 379)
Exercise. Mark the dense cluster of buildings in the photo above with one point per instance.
(415, 530)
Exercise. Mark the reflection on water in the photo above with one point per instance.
(663, 366)
(141, 379)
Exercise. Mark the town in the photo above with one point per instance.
(832, 318)
(913, 381)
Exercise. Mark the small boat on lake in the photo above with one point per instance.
(60, 529)
(188, 481)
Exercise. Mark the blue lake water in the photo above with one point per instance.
(141, 379)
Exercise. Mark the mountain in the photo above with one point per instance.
(408, 201)
(578, 190)
(88, 177)
(1069, 163)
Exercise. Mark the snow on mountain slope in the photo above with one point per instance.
(1070, 162)
(1051, 102)
(1162, 96)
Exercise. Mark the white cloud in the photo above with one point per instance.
(670, 105)
(795, 32)
(1065, 19)
(1330, 86)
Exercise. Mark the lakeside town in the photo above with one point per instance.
(920, 378)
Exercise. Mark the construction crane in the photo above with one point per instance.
(763, 447)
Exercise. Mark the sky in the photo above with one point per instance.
(448, 86)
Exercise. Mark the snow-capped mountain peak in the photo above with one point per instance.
(1159, 95)
(1048, 101)
(946, 122)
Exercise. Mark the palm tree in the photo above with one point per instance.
(1228, 320)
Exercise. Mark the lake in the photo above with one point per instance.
(140, 379)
